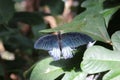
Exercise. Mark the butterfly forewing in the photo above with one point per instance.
(74, 39)
(47, 42)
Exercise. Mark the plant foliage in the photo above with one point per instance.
(97, 20)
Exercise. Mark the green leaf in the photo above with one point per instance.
(90, 24)
(107, 14)
(1, 20)
(6, 31)
(20, 41)
(112, 75)
(45, 71)
(56, 6)
(18, 0)
(98, 59)
(95, 27)
(70, 27)
(1, 70)
(28, 72)
(36, 28)
(31, 18)
(56, 69)
(6, 10)
(74, 75)
(116, 40)
(97, 5)
(92, 7)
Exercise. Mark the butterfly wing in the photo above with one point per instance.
(74, 39)
(47, 42)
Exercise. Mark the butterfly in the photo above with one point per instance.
(62, 45)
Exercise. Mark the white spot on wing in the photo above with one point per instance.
(90, 44)
(55, 53)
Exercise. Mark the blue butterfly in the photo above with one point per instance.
(61, 45)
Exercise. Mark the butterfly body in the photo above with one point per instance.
(61, 45)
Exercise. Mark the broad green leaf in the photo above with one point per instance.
(116, 40)
(92, 25)
(70, 27)
(107, 14)
(74, 75)
(92, 7)
(95, 27)
(98, 59)
(31, 18)
(45, 71)
(112, 75)
(90, 22)
(28, 72)
(6, 10)
(97, 5)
